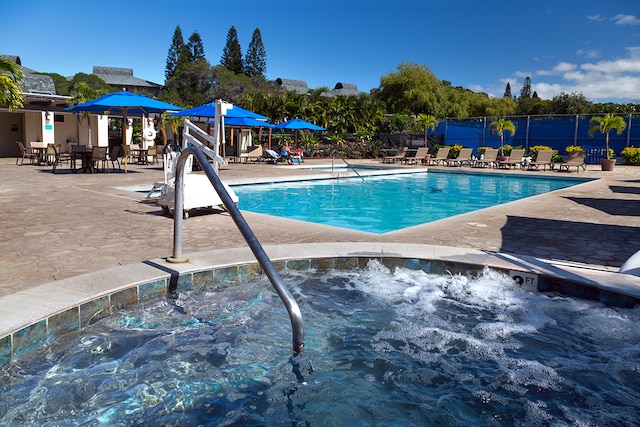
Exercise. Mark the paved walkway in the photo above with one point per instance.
(62, 225)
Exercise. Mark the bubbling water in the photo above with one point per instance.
(382, 348)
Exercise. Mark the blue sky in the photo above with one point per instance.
(583, 46)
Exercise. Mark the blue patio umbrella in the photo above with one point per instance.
(244, 122)
(124, 103)
(209, 110)
(298, 124)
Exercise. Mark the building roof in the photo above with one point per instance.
(33, 82)
(343, 89)
(122, 77)
(299, 86)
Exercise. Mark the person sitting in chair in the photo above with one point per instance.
(286, 153)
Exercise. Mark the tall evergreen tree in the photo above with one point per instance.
(507, 91)
(196, 49)
(232, 55)
(526, 88)
(175, 52)
(256, 58)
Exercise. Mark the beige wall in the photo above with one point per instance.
(11, 130)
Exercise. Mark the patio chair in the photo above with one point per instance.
(254, 155)
(421, 154)
(399, 156)
(54, 156)
(576, 158)
(441, 156)
(515, 159)
(114, 156)
(26, 153)
(543, 159)
(464, 157)
(489, 159)
(98, 155)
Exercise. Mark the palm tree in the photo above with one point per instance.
(500, 126)
(605, 124)
(11, 77)
(424, 122)
(82, 92)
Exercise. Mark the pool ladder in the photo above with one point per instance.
(290, 303)
(346, 163)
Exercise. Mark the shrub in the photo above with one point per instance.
(572, 148)
(533, 151)
(454, 150)
(506, 150)
(631, 155)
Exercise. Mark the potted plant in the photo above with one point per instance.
(605, 124)
(500, 126)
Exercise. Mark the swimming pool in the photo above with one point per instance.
(383, 347)
(381, 204)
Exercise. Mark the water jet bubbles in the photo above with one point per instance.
(370, 377)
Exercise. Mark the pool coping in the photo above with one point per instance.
(34, 317)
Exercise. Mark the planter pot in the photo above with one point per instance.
(502, 158)
(607, 164)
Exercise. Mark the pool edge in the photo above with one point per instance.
(35, 316)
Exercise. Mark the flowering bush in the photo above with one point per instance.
(631, 155)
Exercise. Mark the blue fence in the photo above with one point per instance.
(558, 133)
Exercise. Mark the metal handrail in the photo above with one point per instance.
(346, 163)
(290, 303)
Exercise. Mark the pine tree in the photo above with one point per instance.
(232, 55)
(196, 49)
(507, 91)
(255, 59)
(175, 52)
(526, 88)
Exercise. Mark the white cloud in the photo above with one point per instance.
(615, 80)
(622, 19)
(588, 53)
(595, 18)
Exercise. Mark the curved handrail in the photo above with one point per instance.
(346, 163)
(290, 303)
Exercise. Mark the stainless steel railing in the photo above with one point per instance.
(297, 325)
(347, 163)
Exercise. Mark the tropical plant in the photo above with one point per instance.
(11, 77)
(500, 126)
(81, 92)
(605, 124)
(454, 150)
(572, 148)
(425, 122)
(533, 151)
(631, 155)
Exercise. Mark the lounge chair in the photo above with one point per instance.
(421, 154)
(543, 159)
(271, 156)
(441, 156)
(253, 155)
(515, 159)
(576, 158)
(489, 159)
(464, 157)
(399, 156)
(26, 153)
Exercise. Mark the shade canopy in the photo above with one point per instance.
(244, 122)
(298, 124)
(124, 103)
(209, 110)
